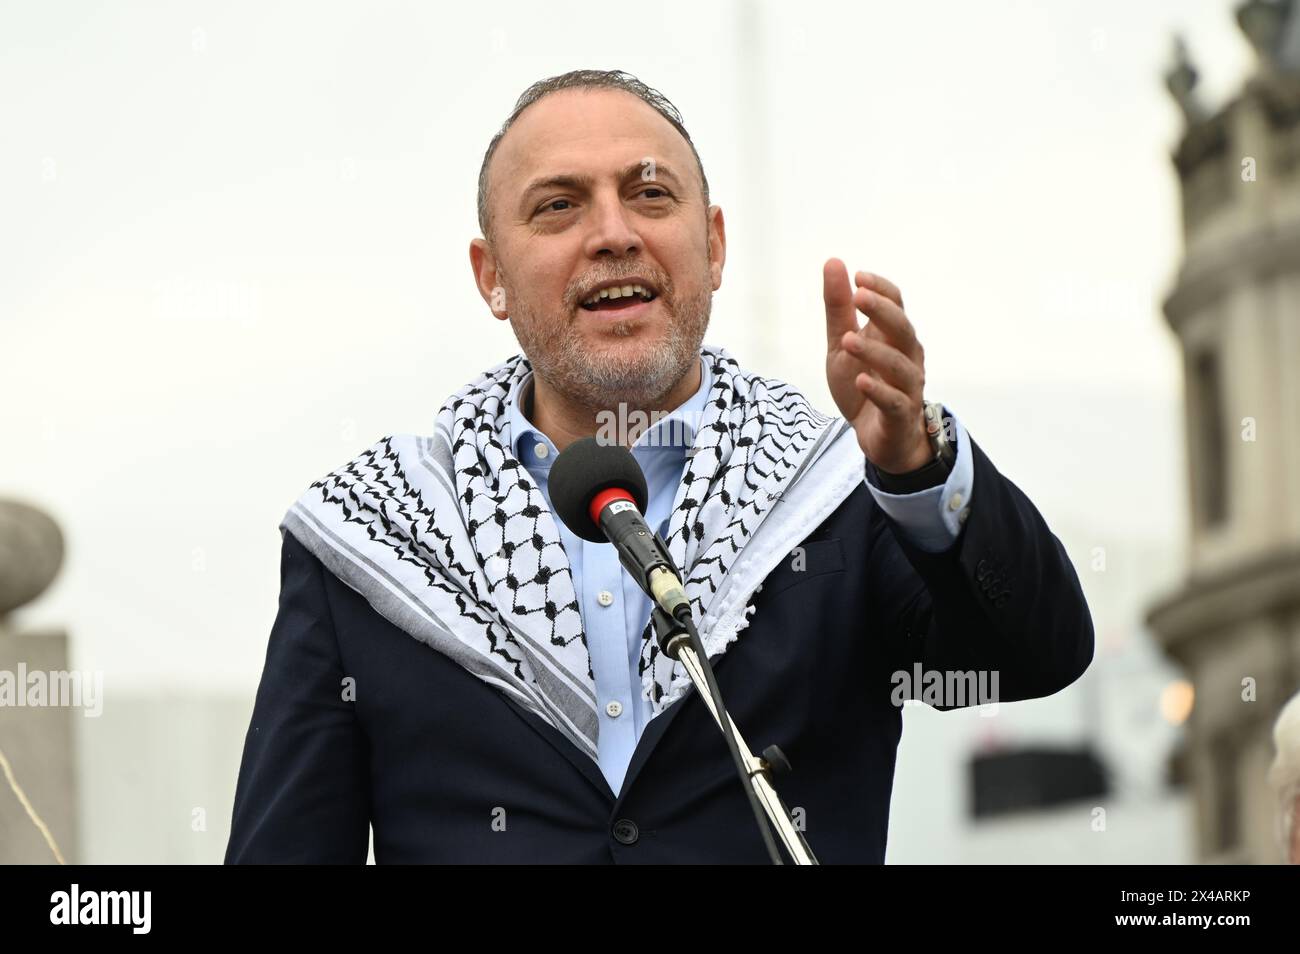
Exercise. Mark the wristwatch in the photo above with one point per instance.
(943, 449)
(929, 475)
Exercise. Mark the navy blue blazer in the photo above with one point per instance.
(447, 769)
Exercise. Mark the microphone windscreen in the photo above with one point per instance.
(584, 469)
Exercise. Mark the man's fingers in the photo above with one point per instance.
(886, 362)
(889, 319)
(879, 283)
(892, 402)
(841, 315)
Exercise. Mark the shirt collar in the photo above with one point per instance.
(675, 430)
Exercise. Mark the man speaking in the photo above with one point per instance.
(454, 668)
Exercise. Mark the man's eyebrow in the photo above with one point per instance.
(576, 181)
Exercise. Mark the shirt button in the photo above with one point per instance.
(604, 597)
(615, 709)
(541, 450)
(961, 517)
(954, 502)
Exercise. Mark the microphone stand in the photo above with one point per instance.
(680, 640)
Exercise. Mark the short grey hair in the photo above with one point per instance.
(584, 79)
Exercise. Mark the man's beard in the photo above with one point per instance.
(604, 378)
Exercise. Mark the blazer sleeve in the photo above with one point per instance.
(302, 794)
(1004, 597)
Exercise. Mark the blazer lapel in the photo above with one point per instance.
(583, 762)
(650, 737)
(658, 727)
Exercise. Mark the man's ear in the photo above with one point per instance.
(717, 228)
(484, 264)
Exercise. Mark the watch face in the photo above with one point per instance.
(934, 423)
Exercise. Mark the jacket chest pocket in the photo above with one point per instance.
(808, 561)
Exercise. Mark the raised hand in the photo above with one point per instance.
(876, 373)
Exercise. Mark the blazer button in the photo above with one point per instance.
(625, 832)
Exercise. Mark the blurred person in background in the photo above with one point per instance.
(1284, 776)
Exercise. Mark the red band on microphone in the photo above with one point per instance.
(605, 498)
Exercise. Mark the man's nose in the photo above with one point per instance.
(612, 229)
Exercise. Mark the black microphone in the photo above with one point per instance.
(599, 492)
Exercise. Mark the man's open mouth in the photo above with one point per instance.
(618, 297)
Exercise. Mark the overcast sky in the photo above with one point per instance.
(235, 241)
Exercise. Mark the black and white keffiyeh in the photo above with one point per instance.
(449, 538)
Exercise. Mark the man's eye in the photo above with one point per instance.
(663, 194)
(548, 206)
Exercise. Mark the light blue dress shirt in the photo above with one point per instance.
(615, 611)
